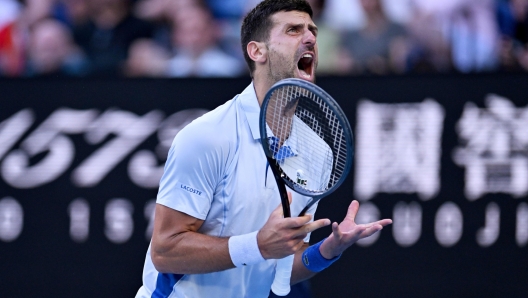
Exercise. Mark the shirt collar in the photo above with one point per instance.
(251, 107)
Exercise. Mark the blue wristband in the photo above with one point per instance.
(314, 261)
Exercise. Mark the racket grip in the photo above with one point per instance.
(283, 270)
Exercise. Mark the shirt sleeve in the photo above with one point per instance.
(192, 171)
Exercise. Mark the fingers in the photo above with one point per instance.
(348, 232)
(335, 230)
(316, 225)
(352, 210)
(298, 227)
(283, 236)
(369, 231)
(301, 226)
(374, 227)
(381, 223)
(301, 232)
(384, 222)
(296, 222)
(356, 233)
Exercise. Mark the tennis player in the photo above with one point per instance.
(219, 226)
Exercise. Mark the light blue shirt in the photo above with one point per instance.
(305, 156)
(216, 171)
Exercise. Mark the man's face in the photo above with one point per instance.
(292, 47)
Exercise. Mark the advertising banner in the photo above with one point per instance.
(446, 157)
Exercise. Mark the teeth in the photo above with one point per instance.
(304, 74)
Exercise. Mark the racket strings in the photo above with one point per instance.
(315, 131)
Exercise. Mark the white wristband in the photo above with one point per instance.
(244, 250)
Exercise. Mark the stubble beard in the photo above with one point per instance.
(280, 67)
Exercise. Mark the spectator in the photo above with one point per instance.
(344, 15)
(52, 51)
(71, 12)
(378, 36)
(512, 18)
(228, 16)
(473, 36)
(455, 34)
(377, 47)
(399, 11)
(159, 13)
(227, 9)
(196, 51)
(108, 34)
(430, 49)
(37, 10)
(147, 59)
(11, 41)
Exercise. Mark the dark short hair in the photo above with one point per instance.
(257, 23)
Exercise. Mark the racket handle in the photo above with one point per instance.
(283, 270)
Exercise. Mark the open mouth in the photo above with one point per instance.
(305, 65)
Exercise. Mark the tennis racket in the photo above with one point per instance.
(308, 143)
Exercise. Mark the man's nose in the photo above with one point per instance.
(309, 37)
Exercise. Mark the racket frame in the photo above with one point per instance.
(277, 172)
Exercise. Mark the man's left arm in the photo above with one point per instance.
(319, 256)
(299, 271)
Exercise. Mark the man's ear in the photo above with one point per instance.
(257, 51)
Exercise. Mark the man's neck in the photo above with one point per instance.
(261, 92)
(261, 84)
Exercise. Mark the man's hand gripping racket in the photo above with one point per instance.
(309, 146)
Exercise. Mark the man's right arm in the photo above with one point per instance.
(177, 246)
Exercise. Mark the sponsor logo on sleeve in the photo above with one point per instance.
(191, 190)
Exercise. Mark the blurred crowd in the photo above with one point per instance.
(200, 38)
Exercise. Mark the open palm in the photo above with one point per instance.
(349, 232)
